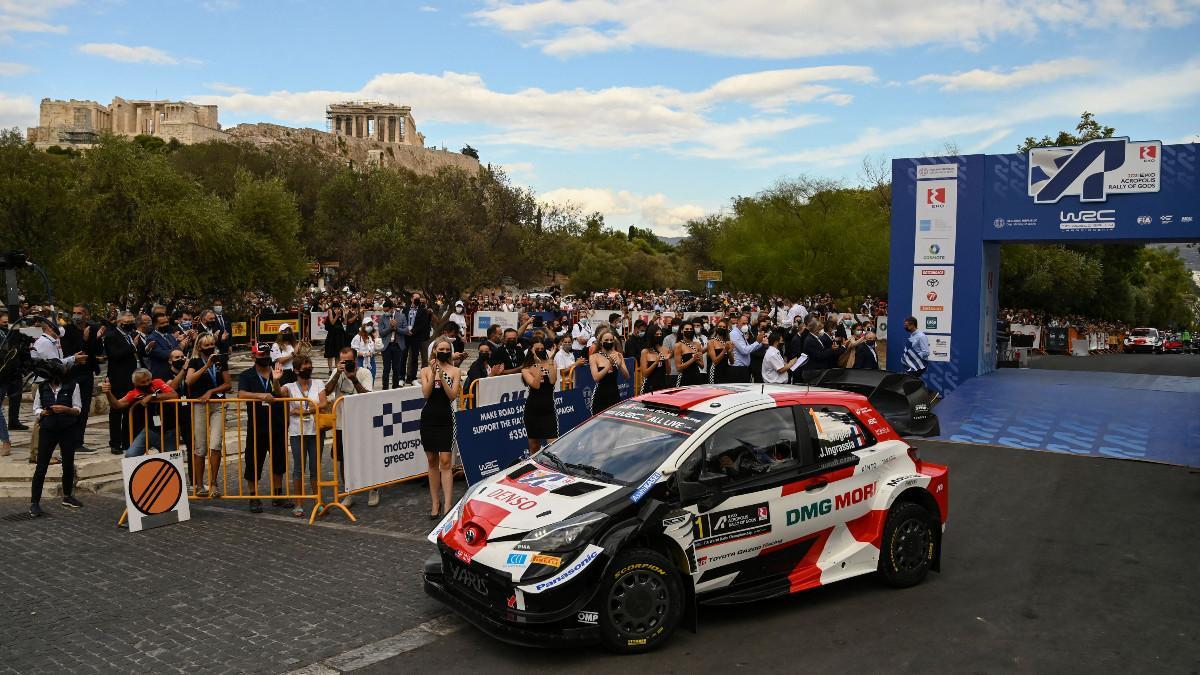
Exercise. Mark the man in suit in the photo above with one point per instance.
(215, 322)
(121, 346)
(420, 325)
(159, 345)
(83, 336)
(393, 331)
(865, 356)
(821, 355)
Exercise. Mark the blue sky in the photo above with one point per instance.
(651, 111)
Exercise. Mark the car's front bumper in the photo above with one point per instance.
(512, 628)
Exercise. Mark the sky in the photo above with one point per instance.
(649, 111)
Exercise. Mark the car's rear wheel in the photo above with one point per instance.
(908, 546)
(642, 600)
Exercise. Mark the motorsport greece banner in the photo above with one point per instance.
(382, 437)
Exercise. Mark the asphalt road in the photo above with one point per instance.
(1052, 563)
(1187, 365)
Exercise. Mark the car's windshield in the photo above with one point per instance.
(623, 444)
(1141, 332)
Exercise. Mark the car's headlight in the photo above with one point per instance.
(561, 536)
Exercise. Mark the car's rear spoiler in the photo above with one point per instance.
(904, 400)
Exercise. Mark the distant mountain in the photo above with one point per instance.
(673, 241)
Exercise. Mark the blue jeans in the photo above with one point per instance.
(310, 456)
(138, 447)
(3, 424)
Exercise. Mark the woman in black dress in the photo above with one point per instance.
(655, 362)
(718, 355)
(688, 357)
(441, 383)
(539, 374)
(605, 364)
(335, 336)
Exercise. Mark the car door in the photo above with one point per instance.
(736, 529)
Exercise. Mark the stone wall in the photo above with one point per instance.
(357, 150)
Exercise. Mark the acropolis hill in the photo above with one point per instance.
(359, 132)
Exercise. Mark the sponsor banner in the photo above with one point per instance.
(481, 321)
(493, 438)
(881, 326)
(584, 382)
(1022, 329)
(712, 317)
(155, 490)
(271, 326)
(503, 389)
(936, 222)
(665, 420)
(939, 348)
(598, 316)
(1060, 172)
(382, 437)
(933, 297)
(934, 171)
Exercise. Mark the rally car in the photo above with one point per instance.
(1144, 340)
(716, 494)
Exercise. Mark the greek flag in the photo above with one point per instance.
(913, 363)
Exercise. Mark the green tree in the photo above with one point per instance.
(1088, 129)
(470, 152)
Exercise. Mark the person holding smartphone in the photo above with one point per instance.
(302, 425)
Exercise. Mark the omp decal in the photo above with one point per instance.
(589, 618)
(586, 558)
(720, 527)
(645, 487)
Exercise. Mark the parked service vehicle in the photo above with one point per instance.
(1144, 340)
(716, 494)
(1172, 345)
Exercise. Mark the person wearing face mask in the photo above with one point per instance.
(480, 367)
(216, 325)
(689, 358)
(264, 431)
(441, 384)
(821, 355)
(81, 336)
(302, 426)
(420, 327)
(564, 358)
(367, 345)
(605, 364)
(540, 375)
(152, 422)
(511, 354)
(637, 339)
(718, 355)
(120, 346)
(56, 406)
(654, 362)
(283, 353)
(865, 356)
(743, 349)
(159, 345)
(207, 379)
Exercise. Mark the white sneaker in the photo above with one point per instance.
(348, 501)
(373, 498)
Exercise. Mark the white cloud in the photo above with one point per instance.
(226, 88)
(427, 8)
(991, 80)
(803, 28)
(221, 5)
(128, 54)
(655, 211)
(17, 111)
(28, 16)
(521, 170)
(984, 144)
(1139, 93)
(615, 117)
(14, 69)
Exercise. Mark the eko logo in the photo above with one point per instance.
(935, 196)
(1094, 170)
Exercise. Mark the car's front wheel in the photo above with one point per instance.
(908, 545)
(642, 600)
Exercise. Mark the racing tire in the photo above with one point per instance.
(909, 544)
(641, 602)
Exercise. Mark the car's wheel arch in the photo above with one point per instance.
(921, 497)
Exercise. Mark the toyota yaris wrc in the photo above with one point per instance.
(714, 494)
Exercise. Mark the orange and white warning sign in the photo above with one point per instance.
(155, 490)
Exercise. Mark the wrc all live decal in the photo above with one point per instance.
(720, 527)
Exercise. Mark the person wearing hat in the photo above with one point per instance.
(266, 433)
(283, 351)
(367, 345)
(459, 317)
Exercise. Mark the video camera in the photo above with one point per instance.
(16, 361)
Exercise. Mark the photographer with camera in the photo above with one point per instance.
(56, 406)
(348, 379)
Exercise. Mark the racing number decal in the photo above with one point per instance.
(721, 527)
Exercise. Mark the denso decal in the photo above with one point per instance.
(720, 527)
(827, 506)
(645, 487)
(586, 558)
(512, 498)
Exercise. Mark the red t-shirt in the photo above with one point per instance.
(156, 386)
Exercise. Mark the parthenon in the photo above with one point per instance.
(383, 122)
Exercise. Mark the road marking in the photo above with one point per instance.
(386, 648)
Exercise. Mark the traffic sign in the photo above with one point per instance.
(708, 275)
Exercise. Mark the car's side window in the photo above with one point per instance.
(837, 431)
(759, 442)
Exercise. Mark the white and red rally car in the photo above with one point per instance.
(715, 494)
(1144, 340)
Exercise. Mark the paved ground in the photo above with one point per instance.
(1052, 563)
(1187, 365)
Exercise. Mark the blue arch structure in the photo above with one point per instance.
(950, 215)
